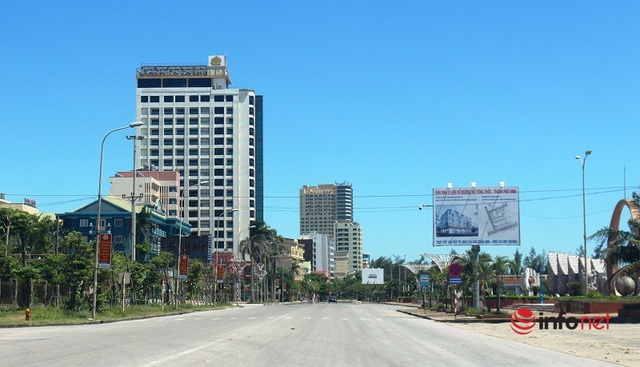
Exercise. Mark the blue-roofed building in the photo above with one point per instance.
(115, 215)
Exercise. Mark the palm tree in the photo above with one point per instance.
(515, 267)
(500, 266)
(263, 242)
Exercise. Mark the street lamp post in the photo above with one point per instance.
(584, 222)
(98, 224)
(215, 242)
(185, 207)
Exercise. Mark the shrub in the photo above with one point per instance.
(594, 295)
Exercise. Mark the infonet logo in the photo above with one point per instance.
(523, 321)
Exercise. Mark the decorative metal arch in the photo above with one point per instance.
(416, 268)
(613, 235)
(443, 261)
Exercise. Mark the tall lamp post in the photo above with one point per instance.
(584, 222)
(98, 224)
(185, 207)
(215, 242)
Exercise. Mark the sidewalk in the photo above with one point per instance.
(618, 343)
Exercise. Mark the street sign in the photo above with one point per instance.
(455, 270)
(220, 274)
(184, 266)
(455, 280)
(424, 281)
(105, 251)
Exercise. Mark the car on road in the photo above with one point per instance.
(333, 299)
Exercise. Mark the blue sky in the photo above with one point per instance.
(395, 97)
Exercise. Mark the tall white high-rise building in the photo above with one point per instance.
(193, 122)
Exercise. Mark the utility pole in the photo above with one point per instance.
(133, 197)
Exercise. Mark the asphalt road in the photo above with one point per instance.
(344, 334)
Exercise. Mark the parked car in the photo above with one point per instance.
(333, 299)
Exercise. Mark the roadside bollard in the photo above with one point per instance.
(27, 314)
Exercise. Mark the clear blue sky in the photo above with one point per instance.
(395, 97)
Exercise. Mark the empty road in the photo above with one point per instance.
(343, 334)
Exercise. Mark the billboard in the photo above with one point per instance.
(372, 276)
(476, 216)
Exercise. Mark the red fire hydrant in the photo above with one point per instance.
(27, 314)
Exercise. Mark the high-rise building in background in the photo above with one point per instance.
(321, 206)
(319, 250)
(194, 123)
(348, 240)
(327, 209)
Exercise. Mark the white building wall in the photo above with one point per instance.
(205, 140)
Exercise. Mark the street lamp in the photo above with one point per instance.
(185, 207)
(215, 242)
(98, 224)
(584, 222)
(134, 197)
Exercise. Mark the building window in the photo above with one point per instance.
(193, 110)
(179, 98)
(84, 222)
(144, 99)
(118, 222)
(229, 98)
(168, 98)
(218, 110)
(204, 98)
(154, 99)
(218, 98)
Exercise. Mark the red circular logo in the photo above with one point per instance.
(523, 321)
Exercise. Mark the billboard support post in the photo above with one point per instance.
(475, 251)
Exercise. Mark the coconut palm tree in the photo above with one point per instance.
(262, 243)
(500, 267)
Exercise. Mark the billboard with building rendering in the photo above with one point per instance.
(468, 216)
(372, 276)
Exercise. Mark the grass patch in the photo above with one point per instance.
(46, 315)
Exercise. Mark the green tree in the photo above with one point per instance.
(194, 283)
(33, 241)
(262, 243)
(500, 267)
(515, 266)
(76, 257)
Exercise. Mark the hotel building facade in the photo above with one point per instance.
(194, 123)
